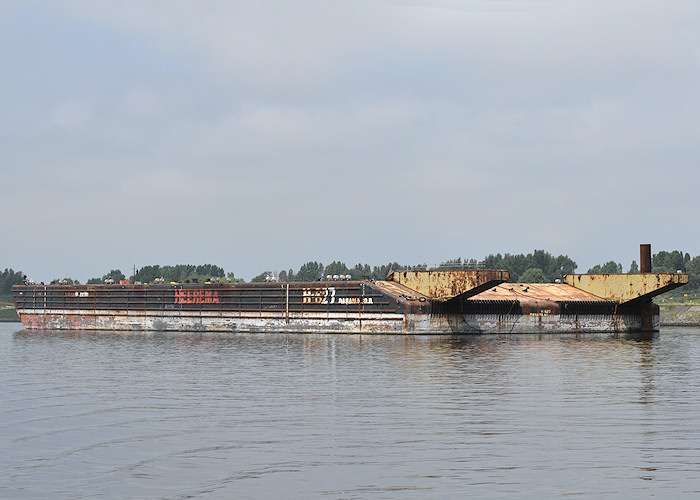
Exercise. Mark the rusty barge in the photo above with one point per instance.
(407, 302)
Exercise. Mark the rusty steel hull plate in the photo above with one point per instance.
(319, 307)
(467, 323)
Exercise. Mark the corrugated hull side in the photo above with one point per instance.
(346, 307)
(261, 307)
(542, 316)
(513, 324)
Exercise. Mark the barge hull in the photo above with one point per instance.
(421, 324)
(383, 307)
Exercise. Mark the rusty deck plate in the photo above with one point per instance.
(553, 292)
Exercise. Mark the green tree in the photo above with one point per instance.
(634, 268)
(669, 262)
(262, 277)
(336, 268)
(210, 270)
(493, 261)
(311, 271)
(562, 265)
(8, 278)
(148, 274)
(610, 267)
(552, 267)
(381, 272)
(361, 271)
(179, 273)
(285, 276)
(451, 264)
(66, 281)
(114, 275)
(693, 269)
(533, 275)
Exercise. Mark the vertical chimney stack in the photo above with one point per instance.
(645, 258)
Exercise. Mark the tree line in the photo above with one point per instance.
(662, 262)
(8, 278)
(179, 273)
(536, 267)
(539, 266)
(314, 271)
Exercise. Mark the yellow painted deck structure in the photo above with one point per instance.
(447, 285)
(627, 287)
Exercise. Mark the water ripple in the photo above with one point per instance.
(156, 415)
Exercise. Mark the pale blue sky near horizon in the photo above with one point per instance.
(261, 135)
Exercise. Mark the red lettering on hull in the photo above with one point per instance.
(183, 296)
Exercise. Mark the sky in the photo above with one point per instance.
(261, 135)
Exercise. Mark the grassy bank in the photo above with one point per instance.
(680, 307)
(7, 312)
(683, 309)
(7, 309)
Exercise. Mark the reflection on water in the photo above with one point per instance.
(163, 415)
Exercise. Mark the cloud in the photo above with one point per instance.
(264, 134)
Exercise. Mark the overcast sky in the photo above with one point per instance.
(261, 135)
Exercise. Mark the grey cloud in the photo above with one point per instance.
(268, 133)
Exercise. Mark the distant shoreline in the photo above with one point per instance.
(687, 314)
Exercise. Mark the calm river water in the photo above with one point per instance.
(161, 415)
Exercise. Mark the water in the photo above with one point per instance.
(162, 415)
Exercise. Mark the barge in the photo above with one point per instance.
(407, 302)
